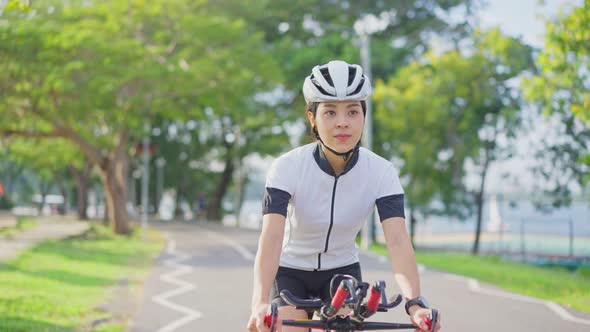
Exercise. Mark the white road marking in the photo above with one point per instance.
(243, 251)
(474, 286)
(183, 287)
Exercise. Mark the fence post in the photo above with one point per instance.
(571, 237)
(522, 244)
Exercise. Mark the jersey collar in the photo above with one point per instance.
(322, 161)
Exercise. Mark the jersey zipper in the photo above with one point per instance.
(331, 223)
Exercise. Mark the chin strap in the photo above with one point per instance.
(345, 155)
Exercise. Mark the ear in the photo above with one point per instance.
(311, 119)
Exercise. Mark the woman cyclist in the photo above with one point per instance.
(324, 192)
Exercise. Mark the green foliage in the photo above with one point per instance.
(562, 85)
(23, 5)
(436, 114)
(302, 34)
(5, 203)
(100, 69)
(47, 158)
(561, 89)
(93, 73)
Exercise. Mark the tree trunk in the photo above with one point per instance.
(479, 203)
(479, 197)
(82, 178)
(44, 189)
(177, 200)
(62, 188)
(105, 216)
(82, 204)
(112, 170)
(214, 207)
(155, 201)
(113, 175)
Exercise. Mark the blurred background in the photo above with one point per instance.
(127, 111)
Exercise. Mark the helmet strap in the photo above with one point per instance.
(345, 155)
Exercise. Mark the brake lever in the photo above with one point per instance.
(381, 285)
(270, 320)
(431, 322)
(351, 292)
(361, 295)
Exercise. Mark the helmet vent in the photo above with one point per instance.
(359, 87)
(319, 87)
(351, 75)
(326, 73)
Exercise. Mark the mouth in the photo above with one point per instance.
(342, 137)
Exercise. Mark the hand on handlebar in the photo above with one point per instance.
(422, 318)
(256, 322)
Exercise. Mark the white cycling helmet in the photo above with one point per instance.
(336, 80)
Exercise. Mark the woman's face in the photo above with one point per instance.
(339, 123)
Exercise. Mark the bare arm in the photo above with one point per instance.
(267, 257)
(403, 263)
(402, 257)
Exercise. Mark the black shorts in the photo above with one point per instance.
(308, 284)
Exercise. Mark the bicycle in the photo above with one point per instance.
(350, 295)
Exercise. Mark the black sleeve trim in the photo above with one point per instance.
(391, 206)
(276, 201)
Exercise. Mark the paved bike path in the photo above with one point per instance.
(203, 281)
(47, 229)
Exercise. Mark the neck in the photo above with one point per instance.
(337, 162)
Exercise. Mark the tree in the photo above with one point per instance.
(451, 109)
(23, 5)
(242, 127)
(81, 172)
(420, 132)
(49, 160)
(311, 31)
(561, 90)
(9, 170)
(93, 73)
(301, 34)
(505, 59)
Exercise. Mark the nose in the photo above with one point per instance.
(342, 122)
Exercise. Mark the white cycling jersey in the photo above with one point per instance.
(325, 212)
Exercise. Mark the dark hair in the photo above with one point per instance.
(313, 108)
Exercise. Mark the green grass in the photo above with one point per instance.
(571, 289)
(58, 285)
(22, 223)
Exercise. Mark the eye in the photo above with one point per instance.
(329, 112)
(353, 112)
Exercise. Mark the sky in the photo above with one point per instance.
(523, 17)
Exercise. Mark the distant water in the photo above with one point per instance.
(526, 229)
(514, 216)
